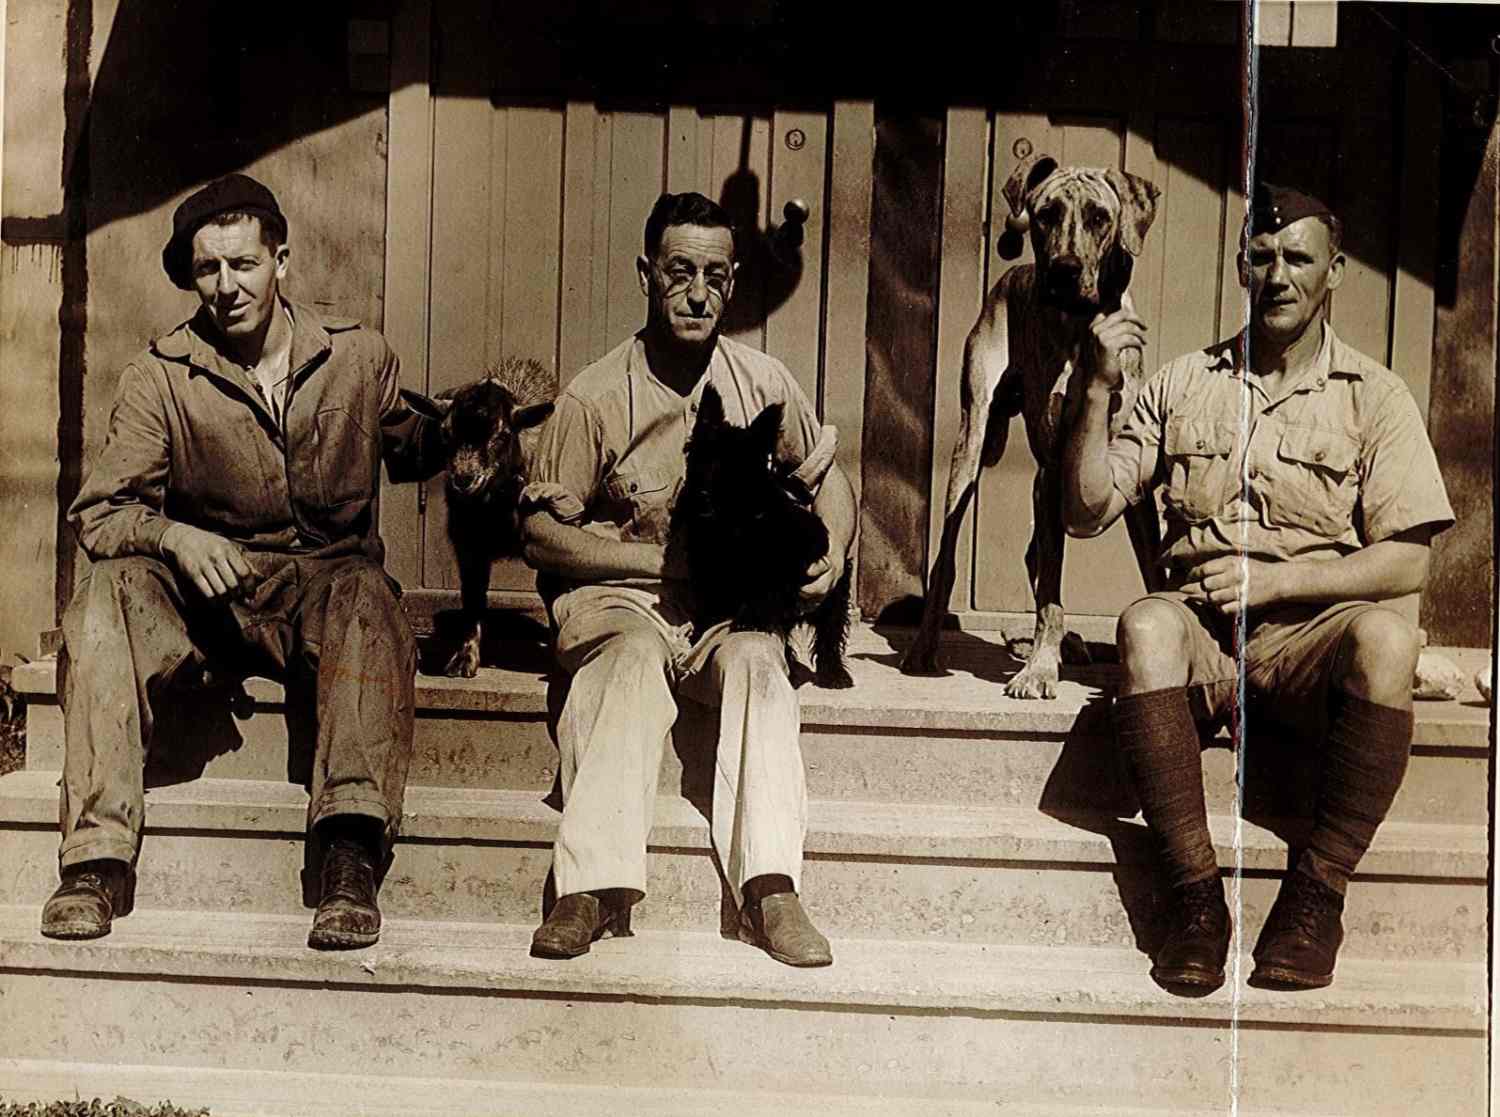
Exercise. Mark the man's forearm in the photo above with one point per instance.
(1391, 568)
(1090, 501)
(835, 506)
(558, 548)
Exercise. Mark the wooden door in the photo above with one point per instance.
(533, 221)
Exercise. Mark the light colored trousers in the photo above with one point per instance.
(627, 664)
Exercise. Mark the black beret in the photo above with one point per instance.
(1276, 207)
(222, 195)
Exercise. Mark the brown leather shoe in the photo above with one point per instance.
(576, 920)
(1300, 941)
(779, 926)
(84, 904)
(1197, 938)
(347, 915)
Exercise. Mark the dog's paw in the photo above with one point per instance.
(1038, 679)
(835, 677)
(464, 664)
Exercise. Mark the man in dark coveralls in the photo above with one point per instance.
(231, 522)
(1300, 490)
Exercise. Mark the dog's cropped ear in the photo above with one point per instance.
(1137, 207)
(428, 407)
(530, 415)
(766, 429)
(1030, 173)
(710, 407)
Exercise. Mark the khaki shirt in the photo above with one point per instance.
(617, 439)
(191, 439)
(1338, 460)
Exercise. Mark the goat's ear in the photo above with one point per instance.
(1137, 207)
(425, 406)
(529, 416)
(766, 429)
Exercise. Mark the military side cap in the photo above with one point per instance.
(1276, 207)
(235, 192)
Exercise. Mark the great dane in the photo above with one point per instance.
(1022, 357)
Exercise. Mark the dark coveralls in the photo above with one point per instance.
(191, 440)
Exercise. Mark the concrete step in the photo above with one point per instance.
(890, 739)
(914, 872)
(1057, 1026)
(239, 1093)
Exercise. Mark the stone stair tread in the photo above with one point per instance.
(932, 831)
(666, 966)
(969, 698)
(229, 1092)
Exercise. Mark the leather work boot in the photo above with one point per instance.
(576, 920)
(84, 904)
(1197, 939)
(1300, 941)
(347, 915)
(778, 925)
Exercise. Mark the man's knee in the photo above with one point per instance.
(755, 653)
(1152, 637)
(641, 649)
(1378, 656)
(115, 592)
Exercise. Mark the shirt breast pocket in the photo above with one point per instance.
(1199, 454)
(643, 498)
(1315, 481)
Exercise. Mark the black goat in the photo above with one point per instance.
(481, 424)
(748, 534)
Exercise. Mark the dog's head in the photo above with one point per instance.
(480, 427)
(1087, 224)
(733, 478)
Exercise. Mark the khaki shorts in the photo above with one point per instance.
(1288, 654)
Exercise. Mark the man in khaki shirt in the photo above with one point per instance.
(1299, 489)
(608, 465)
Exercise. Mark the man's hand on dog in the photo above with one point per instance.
(1113, 334)
(822, 576)
(1231, 583)
(212, 563)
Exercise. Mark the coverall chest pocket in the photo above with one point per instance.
(1315, 483)
(1199, 456)
(644, 498)
(346, 454)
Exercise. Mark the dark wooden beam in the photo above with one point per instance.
(1456, 608)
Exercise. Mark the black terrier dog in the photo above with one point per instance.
(481, 426)
(748, 533)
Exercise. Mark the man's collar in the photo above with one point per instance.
(1334, 358)
(197, 340)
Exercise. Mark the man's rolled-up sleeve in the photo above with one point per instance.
(801, 432)
(1135, 452)
(567, 458)
(410, 444)
(1400, 484)
(118, 511)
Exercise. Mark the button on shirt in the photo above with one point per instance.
(1336, 460)
(617, 437)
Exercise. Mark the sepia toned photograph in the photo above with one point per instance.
(763, 557)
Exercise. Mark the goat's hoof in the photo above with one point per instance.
(463, 665)
(920, 660)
